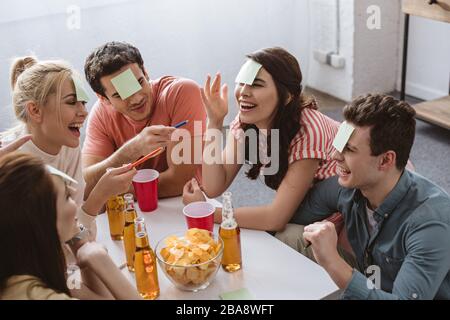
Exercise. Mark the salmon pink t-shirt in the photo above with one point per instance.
(174, 100)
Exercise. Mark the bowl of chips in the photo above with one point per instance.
(190, 259)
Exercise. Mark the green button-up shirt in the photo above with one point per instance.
(410, 243)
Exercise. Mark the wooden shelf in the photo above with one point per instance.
(436, 111)
(439, 11)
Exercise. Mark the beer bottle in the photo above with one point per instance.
(231, 235)
(115, 207)
(129, 241)
(145, 267)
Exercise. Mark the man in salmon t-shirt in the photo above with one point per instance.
(135, 115)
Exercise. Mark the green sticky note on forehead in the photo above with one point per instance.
(79, 90)
(126, 84)
(344, 133)
(241, 294)
(248, 72)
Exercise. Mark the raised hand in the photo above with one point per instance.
(215, 100)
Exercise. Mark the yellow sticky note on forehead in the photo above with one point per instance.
(126, 84)
(344, 133)
(248, 72)
(79, 89)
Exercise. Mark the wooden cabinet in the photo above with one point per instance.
(436, 111)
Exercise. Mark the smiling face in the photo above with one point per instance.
(138, 106)
(357, 168)
(66, 210)
(62, 118)
(257, 102)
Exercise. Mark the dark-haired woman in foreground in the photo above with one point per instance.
(36, 220)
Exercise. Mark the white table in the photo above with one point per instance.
(271, 270)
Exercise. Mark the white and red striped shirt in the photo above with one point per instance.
(313, 141)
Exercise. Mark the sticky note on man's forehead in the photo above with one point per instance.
(344, 133)
(126, 84)
(248, 72)
(79, 90)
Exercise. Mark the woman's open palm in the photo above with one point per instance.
(215, 99)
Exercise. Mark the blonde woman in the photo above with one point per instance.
(45, 102)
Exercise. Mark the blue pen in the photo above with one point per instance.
(182, 123)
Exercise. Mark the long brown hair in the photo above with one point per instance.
(29, 241)
(285, 71)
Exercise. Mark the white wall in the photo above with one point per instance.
(188, 38)
(371, 55)
(337, 82)
(376, 50)
(428, 59)
(27, 9)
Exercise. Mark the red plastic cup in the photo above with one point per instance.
(200, 215)
(145, 184)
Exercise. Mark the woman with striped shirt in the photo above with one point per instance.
(273, 100)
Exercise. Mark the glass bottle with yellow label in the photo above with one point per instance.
(129, 241)
(145, 266)
(231, 235)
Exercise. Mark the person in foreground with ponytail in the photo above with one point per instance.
(48, 103)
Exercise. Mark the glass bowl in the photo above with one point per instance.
(183, 274)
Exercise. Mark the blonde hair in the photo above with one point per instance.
(33, 80)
